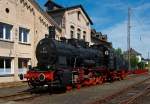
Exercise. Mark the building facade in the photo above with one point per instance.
(74, 21)
(99, 38)
(22, 24)
(133, 53)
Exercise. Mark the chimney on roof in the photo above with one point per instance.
(51, 5)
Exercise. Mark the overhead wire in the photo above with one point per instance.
(141, 25)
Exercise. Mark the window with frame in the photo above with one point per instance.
(78, 13)
(78, 33)
(5, 31)
(72, 32)
(23, 35)
(5, 66)
(22, 65)
(87, 24)
(84, 35)
(63, 22)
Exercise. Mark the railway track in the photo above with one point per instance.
(136, 97)
(129, 95)
(132, 95)
(21, 96)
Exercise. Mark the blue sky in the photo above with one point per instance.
(110, 17)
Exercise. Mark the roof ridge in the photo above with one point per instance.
(60, 6)
(38, 7)
(71, 7)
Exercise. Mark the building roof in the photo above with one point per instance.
(50, 1)
(132, 52)
(98, 35)
(145, 59)
(70, 8)
(93, 31)
(48, 17)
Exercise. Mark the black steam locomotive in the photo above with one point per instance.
(73, 63)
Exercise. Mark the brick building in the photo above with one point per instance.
(74, 21)
(22, 24)
(99, 38)
(133, 52)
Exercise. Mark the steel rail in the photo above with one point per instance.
(107, 99)
(136, 96)
(18, 97)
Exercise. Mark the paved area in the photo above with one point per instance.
(12, 90)
(85, 95)
(12, 84)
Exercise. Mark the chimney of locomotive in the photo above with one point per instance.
(52, 32)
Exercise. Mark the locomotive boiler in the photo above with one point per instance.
(71, 63)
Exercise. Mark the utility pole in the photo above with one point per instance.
(148, 55)
(128, 37)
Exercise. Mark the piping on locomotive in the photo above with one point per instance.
(73, 63)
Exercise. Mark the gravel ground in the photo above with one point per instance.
(85, 95)
(145, 99)
(12, 90)
(132, 92)
(12, 84)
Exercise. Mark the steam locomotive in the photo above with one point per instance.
(73, 63)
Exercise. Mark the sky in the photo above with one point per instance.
(110, 17)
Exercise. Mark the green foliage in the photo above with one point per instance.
(141, 65)
(148, 65)
(134, 62)
(118, 51)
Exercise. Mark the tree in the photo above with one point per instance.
(148, 65)
(141, 65)
(133, 61)
(118, 51)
